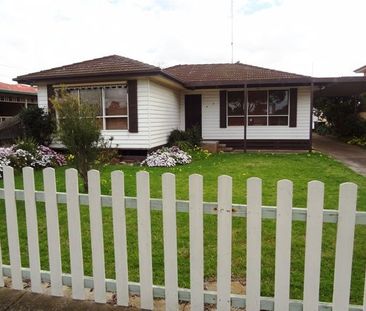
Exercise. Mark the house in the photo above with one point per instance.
(361, 70)
(140, 104)
(15, 97)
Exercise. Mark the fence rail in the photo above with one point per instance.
(284, 214)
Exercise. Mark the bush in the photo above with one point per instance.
(167, 157)
(79, 131)
(342, 115)
(38, 157)
(175, 136)
(183, 145)
(191, 136)
(322, 129)
(358, 141)
(194, 135)
(37, 125)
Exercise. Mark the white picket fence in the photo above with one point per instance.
(314, 215)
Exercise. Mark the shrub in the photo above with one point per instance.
(37, 125)
(39, 157)
(192, 136)
(79, 131)
(175, 136)
(322, 129)
(184, 145)
(167, 157)
(359, 141)
(342, 115)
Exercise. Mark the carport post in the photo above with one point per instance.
(311, 117)
(245, 116)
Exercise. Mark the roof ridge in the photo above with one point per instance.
(237, 63)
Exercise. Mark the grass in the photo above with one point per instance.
(300, 168)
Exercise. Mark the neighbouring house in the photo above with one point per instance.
(15, 97)
(361, 70)
(238, 105)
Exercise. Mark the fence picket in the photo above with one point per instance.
(32, 229)
(313, 245)
(144, 239)
(254, 240)
(364, 295)
(170, 241)
(12, 227)
(224, 242)
(53, 231)
(283, 245)
(96, 234)
(1, 268)
(344, 246)
(73, 220)
(120, 237)
(196, 240)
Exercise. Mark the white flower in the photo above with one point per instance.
(167, 157)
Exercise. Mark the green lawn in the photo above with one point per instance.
(300, 168)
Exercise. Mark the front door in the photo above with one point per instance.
(193, 111)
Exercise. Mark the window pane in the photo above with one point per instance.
(257, 103)
(116, 102)
(116, 123)
(257, 121)
(235, 121)
(278, 120)
(92, 97)
(278, 102)
(235, 102)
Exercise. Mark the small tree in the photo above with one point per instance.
(38, 124)
(79, 131)
(342, 115)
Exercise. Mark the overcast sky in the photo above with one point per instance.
(312, 37)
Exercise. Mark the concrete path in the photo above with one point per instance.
(21, 300)
(352, 156)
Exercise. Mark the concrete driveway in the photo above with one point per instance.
(352, 156)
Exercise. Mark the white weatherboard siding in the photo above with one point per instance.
(211, 120)
(123, 138)
(158, 114)
(42, 97)
(164, 113)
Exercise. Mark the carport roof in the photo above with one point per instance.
(340, 86)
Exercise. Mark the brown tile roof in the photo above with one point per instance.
(17, 88)
(205, 74)
(188, 75)
(113, 64)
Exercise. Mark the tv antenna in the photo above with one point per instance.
(232, 31)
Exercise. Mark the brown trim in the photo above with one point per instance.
(132, 106)
(293, 108)
(250, 83)
(87, 78)
(223, 108)
(258, 144)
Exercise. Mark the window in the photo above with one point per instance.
(257, 108)
(235, 104)
(115, 108)
(263, 108)
(111, 104)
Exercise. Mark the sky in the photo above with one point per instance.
(321, 38)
